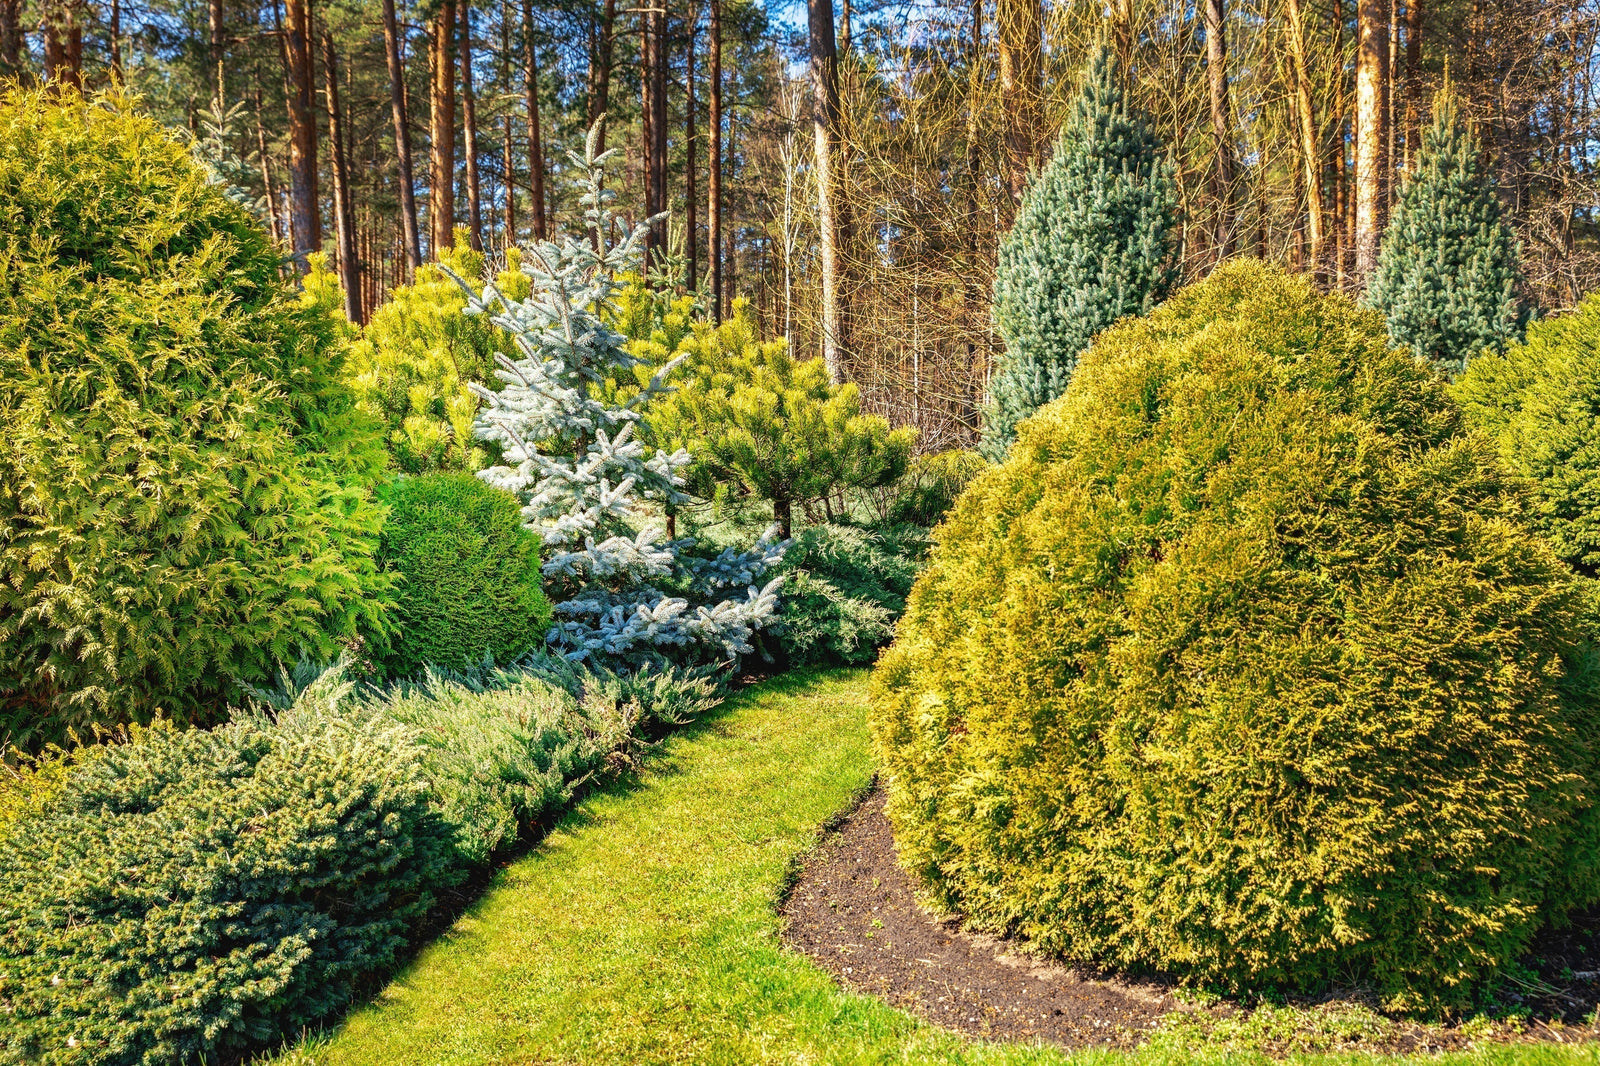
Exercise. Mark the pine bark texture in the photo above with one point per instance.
(402, 137)
(714, 161)
(825, 135)
(530, 80)
(343, 215)
(469, 129)
(1371, 131)
(1221, 122)
(305, 220)
(442, 119)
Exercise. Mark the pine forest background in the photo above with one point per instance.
(847, 169)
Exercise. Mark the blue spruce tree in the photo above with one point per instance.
(1092, 243)
(1447, 273)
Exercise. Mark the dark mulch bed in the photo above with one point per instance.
(853, 909)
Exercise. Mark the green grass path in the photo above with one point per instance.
(642, 929)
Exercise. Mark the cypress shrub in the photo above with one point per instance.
(1092, 243)
(1245, 667)
(469, 580)
(183, 486)
(192, 895)
(1448, 269)
(1540, 402)
(845, 589)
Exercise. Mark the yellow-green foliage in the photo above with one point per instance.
(1243, 666)
(413, 362)
(754, 416)
(27, 781)
(184, 482)
(1540, 402)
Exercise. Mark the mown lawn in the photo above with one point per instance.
(643, 930)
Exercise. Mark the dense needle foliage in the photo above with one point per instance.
(1244, 666)
(468, 575)
(183, 484)
(1447, 275)
(1092, 243)
(1540, 402)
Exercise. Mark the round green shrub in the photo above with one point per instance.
(469, 579)
(190, 895)
(183, 484)
(1245, 667)
(1540, 403)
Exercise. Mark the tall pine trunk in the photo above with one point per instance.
(1017, 30)
(11, 63)
(600, 67)
(344, 222)
(1221, 123)
(402, 137)
(442, 120)
(217, 44)
(1310, 142)
(469, 128)
(691, 222)
(1372, 107)
(63, 42)
(655, 97)
(305, 220)
(508, 158)
(530, 78)
(825, 132)
(714, 164)
(1414, 15)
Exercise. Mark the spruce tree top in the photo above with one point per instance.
(1091, 244)
(1448, 270)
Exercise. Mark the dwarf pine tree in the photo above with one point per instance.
(573, 455)
(1092, 243)
(1447, 274)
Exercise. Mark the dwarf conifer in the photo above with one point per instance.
(1447, 274)
(1092, 243)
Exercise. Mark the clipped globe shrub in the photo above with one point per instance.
(468, 580)
(183, 483)
(190, 895)
(1540, 403)
(1245, 667)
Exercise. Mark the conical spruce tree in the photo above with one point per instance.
(1447, 273)
(1092, 243)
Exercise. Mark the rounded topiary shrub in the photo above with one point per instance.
(469, 580)
(1244, 667)
(193, 895)
(183, 483)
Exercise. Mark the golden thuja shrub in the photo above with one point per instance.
(1244, 666)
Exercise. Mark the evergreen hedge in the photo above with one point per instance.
(1244, 666)
(468, 575)
(192, 895)
(1540, 402)
(183, 484)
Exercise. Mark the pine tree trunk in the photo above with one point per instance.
(63, 43)
(1372, 107)
(970, 294)
(267, 181)
(508, 159)
(349, 262)
(469, 128)
(305, 220)
(216, 44)
(402, 137)
(1221, 126)
(824, 125)
(11, 39)
(783, 514)
(1414, 15)
(658, 124)
(691, 222)
(600, 68)
(714, 161)
(530, 85)
(1310, 143)
(442, 120)
(1017, 30)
